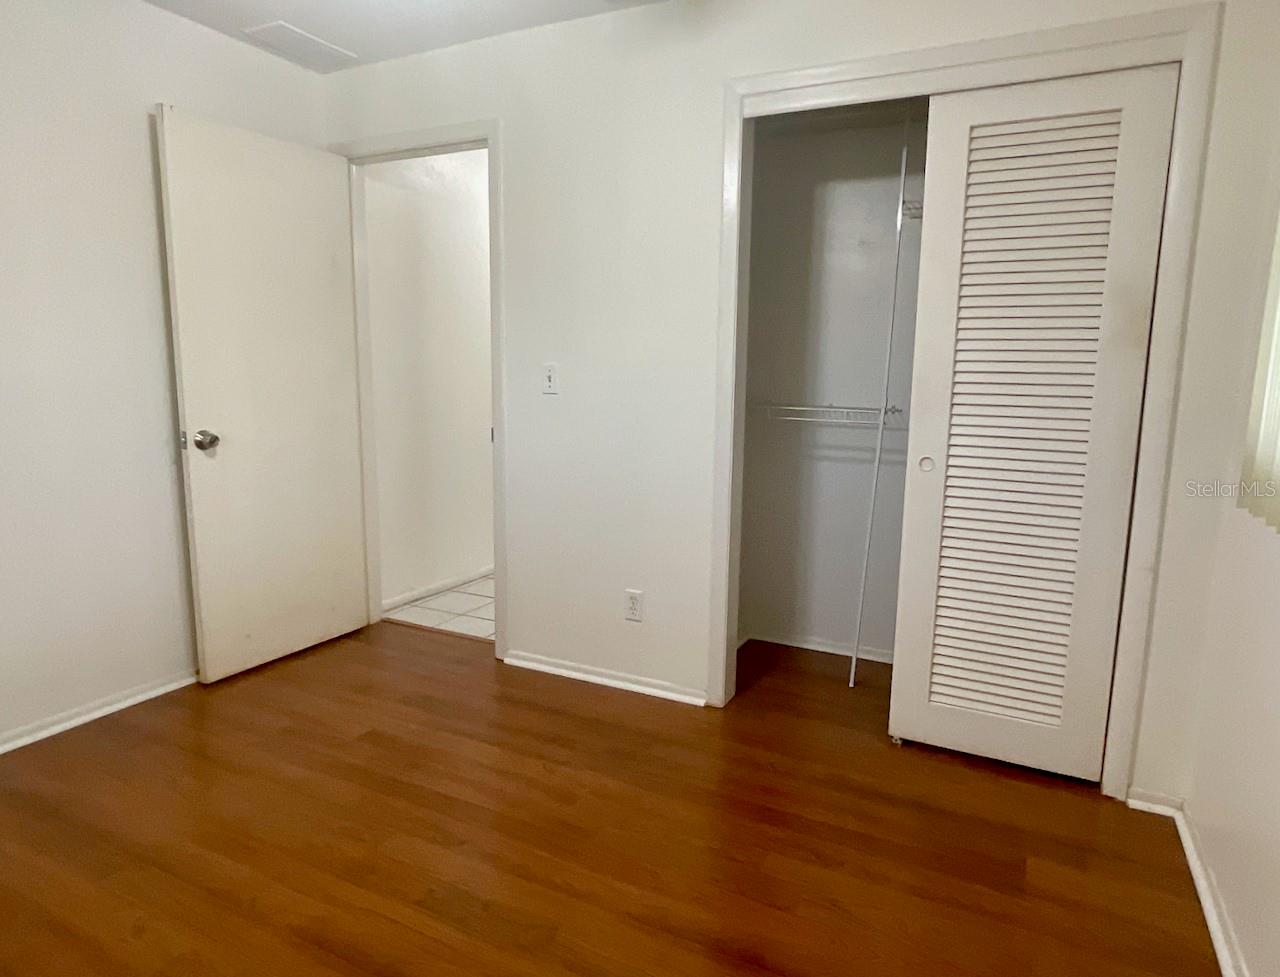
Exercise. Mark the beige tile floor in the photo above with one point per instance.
(466, 609)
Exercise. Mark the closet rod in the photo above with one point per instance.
(827, 414)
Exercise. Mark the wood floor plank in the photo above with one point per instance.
(398, 803)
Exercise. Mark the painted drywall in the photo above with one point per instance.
(1211, 723)
(427, 254)
(826, 286)
(612, 143)
(94, 604)
(1233, 798)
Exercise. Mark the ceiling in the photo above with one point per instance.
(329, 35)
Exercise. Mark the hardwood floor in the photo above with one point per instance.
(398, 803)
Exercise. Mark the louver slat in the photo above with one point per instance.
(1033, 269)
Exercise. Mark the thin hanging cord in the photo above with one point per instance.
(884, 407)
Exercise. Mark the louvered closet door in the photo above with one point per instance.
(1042, 216)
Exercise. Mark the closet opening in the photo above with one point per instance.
(990, 308)
(423, 275)
(835, 221)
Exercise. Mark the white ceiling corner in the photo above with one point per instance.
(329, 35)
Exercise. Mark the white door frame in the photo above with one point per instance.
(1186, 35)
(483, 134)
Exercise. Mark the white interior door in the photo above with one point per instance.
(260, 280)
(1042, 216)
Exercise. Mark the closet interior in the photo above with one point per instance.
(836, 206)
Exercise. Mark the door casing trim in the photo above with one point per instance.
(480, 134)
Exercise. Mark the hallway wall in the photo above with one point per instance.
(427, 235)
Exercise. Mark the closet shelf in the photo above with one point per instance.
(827, 414)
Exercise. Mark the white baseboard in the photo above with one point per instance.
(828, 647)
(882, 655)
(1154, 802)
(43, 728)
(1225, 945)
(431, 590)
(605, 676)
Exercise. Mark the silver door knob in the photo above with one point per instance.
(204, 440)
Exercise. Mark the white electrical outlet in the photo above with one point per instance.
(634, 608)
(550, 378)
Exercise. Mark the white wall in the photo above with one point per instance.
(427, 237)
(93, 591)
(824, 262)
(612, 161)
(1237, 227)
(1211, 725)
(1233, 797)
